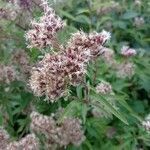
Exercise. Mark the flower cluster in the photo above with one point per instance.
(8, 73)
(24, 4)
(146, 123)
(139, 21)
(21, 59)
(125, 70)
(49, 77)
(9, 11)
(4, 138)
(104, 88)
(112, 6)
(108, 56)
(55, 72)
(126, 51)
(67, 132)
(30, 142)
(44, 31)
(84, 43)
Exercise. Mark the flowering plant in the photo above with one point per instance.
(73, 90)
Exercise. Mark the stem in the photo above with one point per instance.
(95, 71)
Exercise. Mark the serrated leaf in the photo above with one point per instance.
(109, 107)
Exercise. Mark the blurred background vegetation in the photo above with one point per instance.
(128, 21)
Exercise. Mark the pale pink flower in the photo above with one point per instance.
(29, 142)
(44, 31)
(127, 51)
(104, 88)
(125, 70)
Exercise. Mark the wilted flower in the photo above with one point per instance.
(44, 31)
(30, 142)
(125, 70)
(4, 138)
(139, 21)
(104, 88)
(127, 51)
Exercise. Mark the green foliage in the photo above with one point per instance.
(132, 95)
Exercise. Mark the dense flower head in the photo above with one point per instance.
(25, 4)
(37, 81)
(44, 31)
(8, 73)
(70, 132)
(43, 124)
(29, 142)
(68, 67)
(125, 70)
(127, 51)
(21, 59)
(107, 55)
(81, 41)
(4, 138)
(10, 10)
(104, 88)
(49, 77)
(63, 134)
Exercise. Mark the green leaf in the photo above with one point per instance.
(84, 111)
(129, 15)
(102, 100)
(79, 92)
(83, 19)
(67, 15)
(125, 105)
(71, 109)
